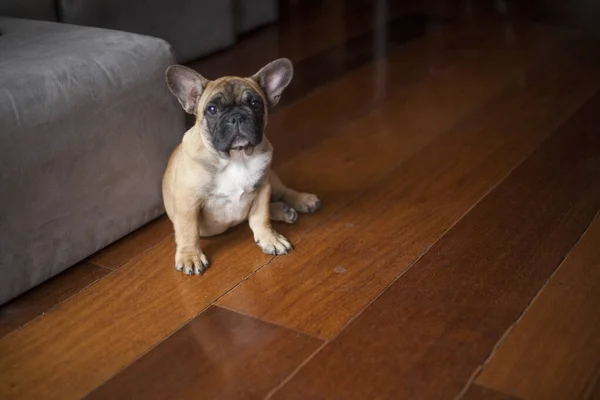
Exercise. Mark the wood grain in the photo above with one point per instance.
(476, 392)
(219, 354)
(434, 58)
(378, 236)
(315, 71)
(81, 344)
(594, 393)
(554, 350)
(429, 331)
(341, 167)
(42, 298)
(134, 244)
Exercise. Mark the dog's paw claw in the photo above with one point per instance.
(291, 215)
(191, 261)
(274, 243)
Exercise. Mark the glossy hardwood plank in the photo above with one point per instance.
(430, 330)
(554, 350)
(147, 299)
(47, 295)
(476, 392)
(356, 52)
(134, 244)
(219, 354)
(361, 92)
(374, 239)
(594, 393)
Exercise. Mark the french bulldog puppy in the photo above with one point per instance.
(220, 175)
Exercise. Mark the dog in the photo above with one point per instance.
(220, 174)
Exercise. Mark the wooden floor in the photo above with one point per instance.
(456, 152)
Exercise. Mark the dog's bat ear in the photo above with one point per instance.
(273, 78)
(187, 85)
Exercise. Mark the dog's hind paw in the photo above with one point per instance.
(305, 202)
(280, 211)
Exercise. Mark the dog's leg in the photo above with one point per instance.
(302, 202)
(189, 258)
(264, 235)
(280, 211)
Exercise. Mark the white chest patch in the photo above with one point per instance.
(235, 187)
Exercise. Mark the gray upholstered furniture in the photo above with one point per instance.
(194, 28)
(86, 127)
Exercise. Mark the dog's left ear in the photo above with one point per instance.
(273, 78)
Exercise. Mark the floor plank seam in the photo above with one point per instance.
(99, 266)
(58, 304)
(588, 390)
(470, 382)
(158, 343)
(171, 235)
(287, 328)
(296, 370)
(509, 330)
(134, 257)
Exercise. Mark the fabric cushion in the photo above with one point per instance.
(86, 127)
(193, 27)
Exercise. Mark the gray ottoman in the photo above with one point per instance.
(86, 127)
(193, 27)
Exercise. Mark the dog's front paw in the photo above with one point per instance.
(272, 242)
(306, 202)
(191, 261)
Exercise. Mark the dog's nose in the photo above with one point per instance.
(236, 119)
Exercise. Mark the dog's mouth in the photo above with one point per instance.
(240, 143)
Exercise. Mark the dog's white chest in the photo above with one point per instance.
(237, 178)
(236, 187)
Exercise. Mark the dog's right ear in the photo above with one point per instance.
(187, 85)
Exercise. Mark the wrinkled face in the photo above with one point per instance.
(233, 114)
(232, 111)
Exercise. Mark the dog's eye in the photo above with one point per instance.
(255, 103)
(212, 109)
